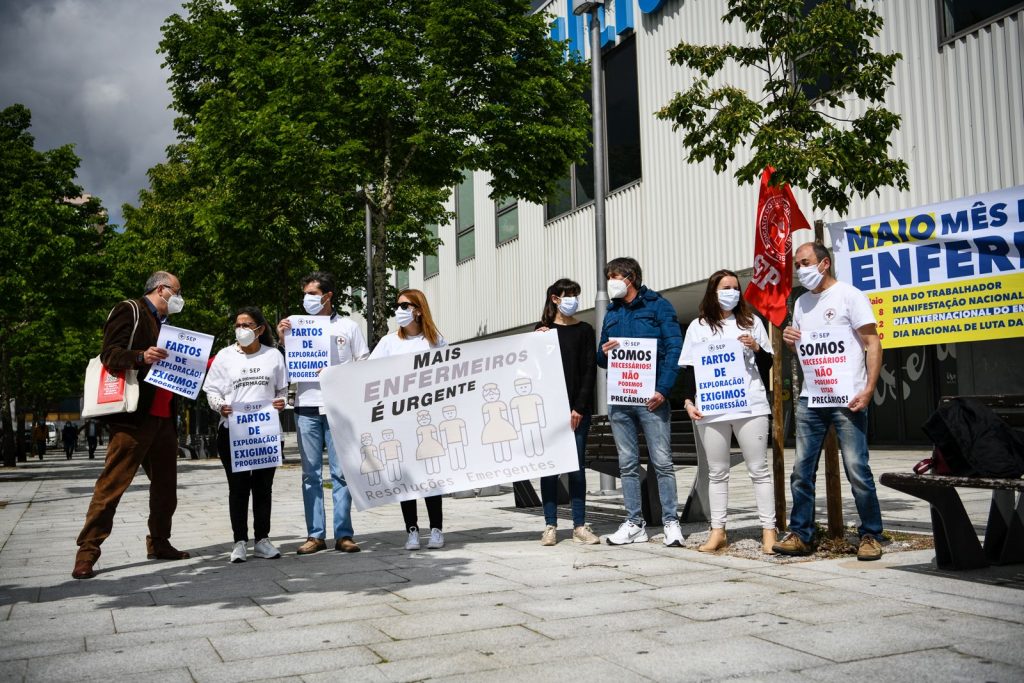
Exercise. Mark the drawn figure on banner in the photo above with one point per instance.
(498, 432)
(528, 417)
(429, 449)
(887, 387)
(454, 437)
(390, 450)
(371, 465)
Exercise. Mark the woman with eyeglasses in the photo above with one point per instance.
(578, 345)
(723, 314)
(416, 333)
(251, 369)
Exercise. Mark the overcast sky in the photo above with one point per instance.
(89, 71)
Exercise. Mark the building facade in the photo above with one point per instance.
(958, 90)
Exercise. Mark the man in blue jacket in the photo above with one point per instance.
(638, 312)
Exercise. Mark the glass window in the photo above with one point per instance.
(402, 280)
(961, 15)
(506, 213)
(561, 200)
(465, 221)
(430, 262)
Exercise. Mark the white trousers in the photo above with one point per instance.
(752, 436)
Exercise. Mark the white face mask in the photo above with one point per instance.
(810, 277)
(245, 336)
(174, 304)
(617, 289)
(728, 298)
(403, 316)
(568, 305)
(313, 303)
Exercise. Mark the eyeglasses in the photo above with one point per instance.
(170, 288)
(405, 305)
(251, 326)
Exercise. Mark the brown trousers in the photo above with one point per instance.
(153, 444)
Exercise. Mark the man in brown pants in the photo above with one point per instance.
(146, 437)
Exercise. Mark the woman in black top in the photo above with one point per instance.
(578, 345)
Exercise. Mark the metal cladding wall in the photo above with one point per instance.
(963, 132)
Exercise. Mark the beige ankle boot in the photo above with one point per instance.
(768, 538)
(716, 541)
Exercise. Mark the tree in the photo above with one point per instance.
(297, 113)
(814, 64)
(53, 273)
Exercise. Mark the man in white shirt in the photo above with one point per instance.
(347, 345)
(830, 305)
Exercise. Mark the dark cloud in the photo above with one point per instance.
(89, 71)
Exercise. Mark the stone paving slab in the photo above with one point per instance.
(493, 605)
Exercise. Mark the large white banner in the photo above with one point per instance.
(942, 273)
(183, 370)
(452, 419)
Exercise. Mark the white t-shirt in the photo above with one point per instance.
(347, 345)
(839, 305)
(236, 377)
(700, 332)
(393, 345)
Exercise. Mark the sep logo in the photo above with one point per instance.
(187, 337)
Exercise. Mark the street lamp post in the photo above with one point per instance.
(581, 7)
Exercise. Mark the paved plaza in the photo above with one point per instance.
(493, 605)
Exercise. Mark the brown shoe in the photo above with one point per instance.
(167, 552)
(83, 569)
(870, 548)
(791, 544)
(312, 545)
(345, 544)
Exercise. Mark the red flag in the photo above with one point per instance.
(777, 216)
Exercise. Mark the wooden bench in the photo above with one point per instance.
(956, 543)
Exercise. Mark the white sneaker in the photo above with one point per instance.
(265, 549)
(673, 535)
(238, 552)
(414, 539)
(436, 539)
(628, 533)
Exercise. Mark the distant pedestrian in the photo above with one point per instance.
(39, 439)
(69, 436)
(92, 434)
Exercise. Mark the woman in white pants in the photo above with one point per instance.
(723, 314)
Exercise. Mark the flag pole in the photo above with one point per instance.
(778, 435)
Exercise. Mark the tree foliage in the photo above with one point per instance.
(815, 64)
(293, 114)
(53, 272)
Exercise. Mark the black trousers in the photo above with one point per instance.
(259, 482)
(92, 446)
(434, 515)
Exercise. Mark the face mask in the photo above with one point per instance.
(728, 298)
(245, 336)
(313, 303)
(810, 277)
(403, 317)
(617, 289)
(568, 305)
(174, 304)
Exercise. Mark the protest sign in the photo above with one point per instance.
(948, 272)
(254, 431)
(183, 370)
(632, 371)
(827, 357)
(451, 419)
(721, 375)
(307, 347)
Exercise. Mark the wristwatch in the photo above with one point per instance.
(140, 358)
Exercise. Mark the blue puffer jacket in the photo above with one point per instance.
(649, 315)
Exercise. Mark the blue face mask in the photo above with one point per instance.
(569, 305)
(313, 303)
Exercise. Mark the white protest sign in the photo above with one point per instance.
(451, 419)
(721, 375)
(307, 347)
(254, 431)
(632, 371)
(183, 370)
(827, 358)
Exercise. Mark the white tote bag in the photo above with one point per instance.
(108, 392)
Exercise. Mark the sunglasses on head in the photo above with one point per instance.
(405, 305)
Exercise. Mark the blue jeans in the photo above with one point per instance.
(577, 484)
(313, 432)
(852, 432)
(626, 423)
